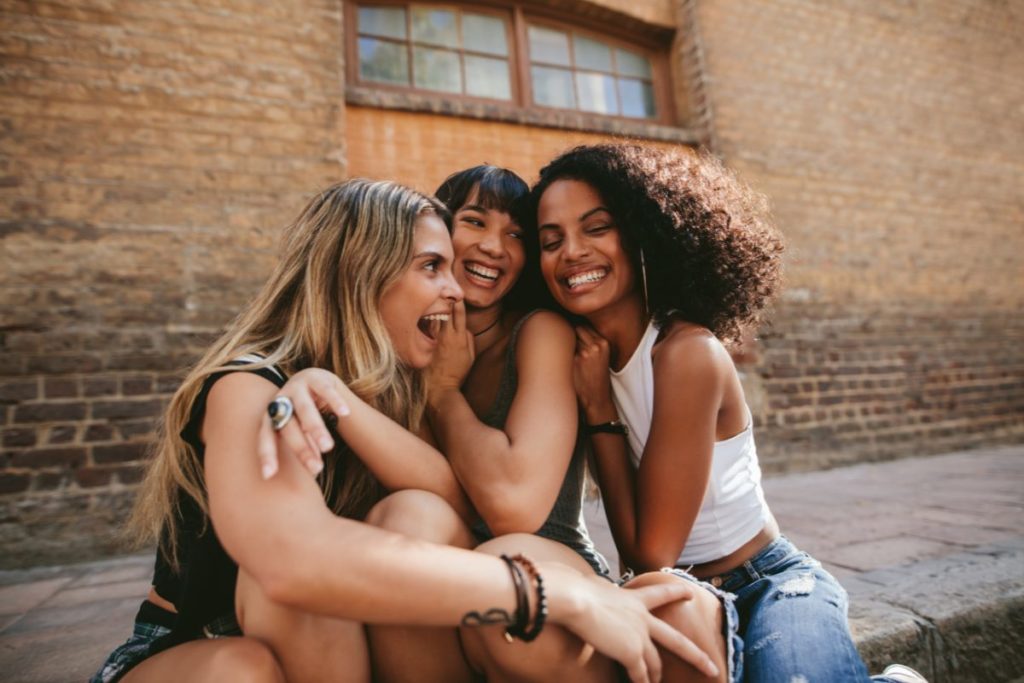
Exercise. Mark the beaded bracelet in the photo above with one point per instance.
(519, 630)
(522, 616)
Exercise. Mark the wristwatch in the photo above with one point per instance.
(613, 427)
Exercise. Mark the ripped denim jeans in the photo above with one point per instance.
(792, 619)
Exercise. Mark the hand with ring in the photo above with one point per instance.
(305, 397)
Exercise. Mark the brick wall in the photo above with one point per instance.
(421, 150)
(888, 137)
(149, 154)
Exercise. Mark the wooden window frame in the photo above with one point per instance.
(517, 18)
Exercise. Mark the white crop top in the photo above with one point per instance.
(734, 509)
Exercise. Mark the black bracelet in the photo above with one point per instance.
(522, 617)
(612, 427)
(541, 615)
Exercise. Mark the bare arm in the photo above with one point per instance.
(651, 511)
(513, 476)
(398, 458)
(281, 532)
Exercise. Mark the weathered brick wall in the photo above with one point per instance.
(150, 153)
(889, 139)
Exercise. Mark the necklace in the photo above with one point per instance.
(489, 327)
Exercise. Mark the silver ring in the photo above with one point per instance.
(280, 411)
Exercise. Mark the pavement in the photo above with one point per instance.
(931, 550)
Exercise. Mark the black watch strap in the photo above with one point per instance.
(613, 427)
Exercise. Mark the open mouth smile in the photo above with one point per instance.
(577, 280)
(430, 325)
(482, 273)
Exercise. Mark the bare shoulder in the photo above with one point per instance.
(546, 329)
(693, 351)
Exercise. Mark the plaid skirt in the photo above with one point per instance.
(152, 623)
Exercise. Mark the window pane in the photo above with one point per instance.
(383, 62)
(547, 45)
(485, 34)
(632, 64)
(434, 27)
(487, 77)
(637, 98)
(436, 69)
(591, 54)
(597, 93)
(553, 87)
(382, 21)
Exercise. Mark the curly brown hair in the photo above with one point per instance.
(711, 251)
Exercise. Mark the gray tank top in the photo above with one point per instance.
(565, 523)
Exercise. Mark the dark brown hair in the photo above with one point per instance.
(711, 252)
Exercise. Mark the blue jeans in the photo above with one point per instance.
(792, 619)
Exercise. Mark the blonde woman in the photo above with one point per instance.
(270, 578)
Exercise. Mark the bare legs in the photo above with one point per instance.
(245, 660)
(280, 644)
(406, 653)
(308, 647)
(556, 655)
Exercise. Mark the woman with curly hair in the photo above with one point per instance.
(271, 576)
(664, 257)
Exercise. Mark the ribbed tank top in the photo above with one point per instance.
(734, 509)
(565, 523)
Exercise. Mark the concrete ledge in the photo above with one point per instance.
(958, 618)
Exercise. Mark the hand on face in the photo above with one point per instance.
(454, 355)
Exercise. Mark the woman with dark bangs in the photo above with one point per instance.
(502, 407)
(663, 257)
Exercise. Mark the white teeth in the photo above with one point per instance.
(442, 317)
(483, 271)
(589, 276)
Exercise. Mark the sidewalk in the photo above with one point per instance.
(931, 551)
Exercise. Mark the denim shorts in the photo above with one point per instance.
(730, 622)
(793, 623)
(152, 623)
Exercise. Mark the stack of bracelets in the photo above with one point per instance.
(521, 629)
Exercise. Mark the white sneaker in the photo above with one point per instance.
(903, 674)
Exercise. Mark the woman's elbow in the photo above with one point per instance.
(506, 514)
(280, 577)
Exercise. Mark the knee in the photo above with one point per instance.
(420, 514)
(246, 659)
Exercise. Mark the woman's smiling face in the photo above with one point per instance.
(414, 307)
(582, 258)
(489, 252)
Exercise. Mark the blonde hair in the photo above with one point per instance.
(319, 308)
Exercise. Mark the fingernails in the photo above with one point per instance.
(325, 443)
(343, 410)
(315, 466)
(269, 469)
(712, 669)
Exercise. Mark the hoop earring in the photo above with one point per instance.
(643, 281)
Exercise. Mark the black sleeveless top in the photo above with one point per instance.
(203, 589)
(565, 522)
